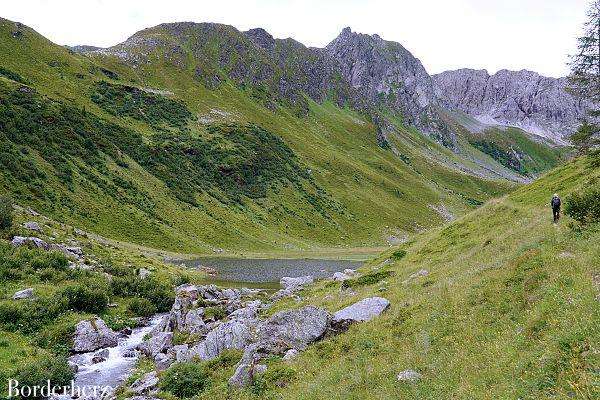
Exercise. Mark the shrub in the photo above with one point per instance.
(584, 207)
(368, 279)
(55, 370)
(185, 380)
(85, 299)
(215, 312)
(159, 293)
(141, 307)
(398, 254)
(6, 212)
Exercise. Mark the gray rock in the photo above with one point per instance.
(144, 273)
(146, 384)
(193, 322)
(163, 361)
(23, 294)
(340, 277)
(159, 343)
(130, 353)
(294, 328)
(228, 335)
(91, 335)
(350, 272)
(417, 274)
(409, 375)
(363, 310)
(290, 354)
(32, 226)
(250, 311)
(179, 352)
(245, 373)
(525, 99)
(18, 241)
(102, 353)
(294, 283)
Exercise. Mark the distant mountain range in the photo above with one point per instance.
(369, 73)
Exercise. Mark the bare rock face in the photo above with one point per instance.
(93, 335)
(386, 72)
(523, 99)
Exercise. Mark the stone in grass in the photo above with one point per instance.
(23, 294)
(409, 375)
(361, 311)
(146, 384)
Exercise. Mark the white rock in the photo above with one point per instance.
(409, 375)
(364, 310)
(23, 294)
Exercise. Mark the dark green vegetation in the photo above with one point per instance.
(584, 206)
(190, 145)
(129, 101)
(185, 380)
(6, 212)
(36, 332)
(513, 149)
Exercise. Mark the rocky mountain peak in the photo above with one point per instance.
(524, 99)
(261, 38)
(388, 74)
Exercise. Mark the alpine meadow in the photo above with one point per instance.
(208, 212)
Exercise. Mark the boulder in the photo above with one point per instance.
(290, 354)
(19, 241)
(294, 329)
(228, 335)
(179, 352)
(163, 361)
(91, 335)
(250, 311)
(364, 310)
(193, 322)
(32, 226)
(130, 353)
(146, 384)
(100, 356)
(340, 277)
(23, 294)
(144, 273)
(295, 283)
(159, 343)
(244, 374)
(350, 272)
(409, 375)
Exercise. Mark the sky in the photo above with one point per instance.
(484, 34)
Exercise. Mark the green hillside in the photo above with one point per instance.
(509, 309)
(148, 152)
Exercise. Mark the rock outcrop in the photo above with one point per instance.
(523, 99)
(385, 72)
(91, 335)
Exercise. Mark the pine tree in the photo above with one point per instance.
(585, 65)
(585, 78)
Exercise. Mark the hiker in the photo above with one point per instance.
(555, 204)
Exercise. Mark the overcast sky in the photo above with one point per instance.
(444, 34)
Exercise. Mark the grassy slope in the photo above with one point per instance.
(379, 195)
(19, 349)
(509, 310)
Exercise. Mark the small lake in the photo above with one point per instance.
(266, 273)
